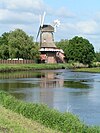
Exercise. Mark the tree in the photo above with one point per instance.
(81, 50)
(4, 48)
(63, 44)
(21, 45)
(4, 39)
(97, 56)
(4, 51)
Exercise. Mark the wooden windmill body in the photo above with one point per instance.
(49, 52)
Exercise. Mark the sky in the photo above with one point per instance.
(77, 17)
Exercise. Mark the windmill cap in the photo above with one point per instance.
(47, 28)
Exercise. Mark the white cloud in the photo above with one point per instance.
(22, 14)
(20, 11)
(87, 27)
(64, 12)
(23, 5)
(9, 17)
(81, 27)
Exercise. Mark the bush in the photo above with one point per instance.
(96, 64)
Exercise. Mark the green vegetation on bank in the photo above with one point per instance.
(64, 122)
(25, 67)
(94, 70)
(11, 122)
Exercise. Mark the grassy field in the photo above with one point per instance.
(11, 122)
(93, 70)
(24, 67)
(61, 122)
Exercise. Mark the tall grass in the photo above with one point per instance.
(11, 122)
(65, 122)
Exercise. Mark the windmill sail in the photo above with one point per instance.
(41, 24)
(38, 33)
(56, 24)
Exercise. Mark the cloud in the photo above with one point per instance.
(81, 27)
(23, 5)
(20, 11)
(87, 27)
(22, 14)
(64, 12)
(9, 17)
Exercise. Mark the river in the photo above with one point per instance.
(64, 90)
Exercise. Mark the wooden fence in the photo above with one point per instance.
(16, 61)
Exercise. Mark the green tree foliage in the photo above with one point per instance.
(4, 49)
(97, 56)
(21, 45)
(63, 44)
(4, 39)
(17, 44)
(81, 50)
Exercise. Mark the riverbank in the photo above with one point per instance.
(11, 122)
(27, 67)
(64, 122)
(92, 70)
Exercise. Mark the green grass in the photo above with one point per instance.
(64, 122)
(11, 122)
(24, 67)
(94, 70)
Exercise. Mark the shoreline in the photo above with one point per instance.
(50, 118)
(89, 70)
(29, 67)
(32, 67)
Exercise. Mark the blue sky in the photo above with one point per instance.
(77, 17)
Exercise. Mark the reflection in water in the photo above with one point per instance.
(61, 89)
(13, 86)
(50, 81)
(23, 74)
(76, 85)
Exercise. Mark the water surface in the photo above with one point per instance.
(64, 90)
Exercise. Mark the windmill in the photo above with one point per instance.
(46, 33)
(48, 48)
